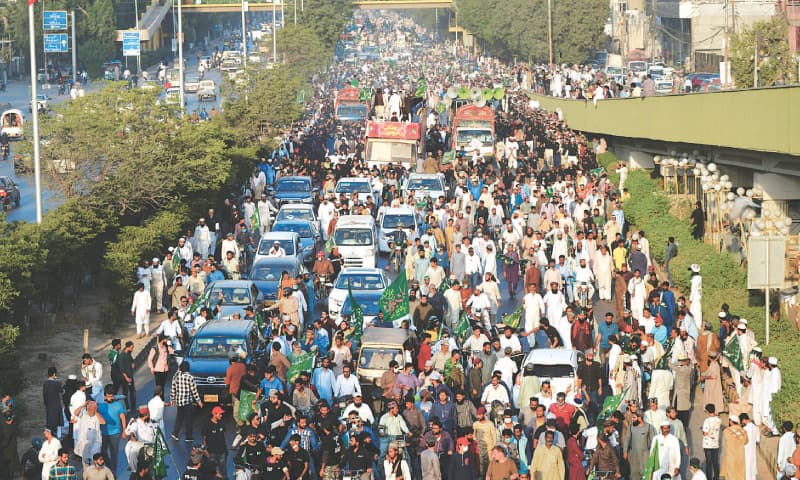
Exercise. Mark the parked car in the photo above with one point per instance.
(41, 101)
(191, 84)
(9, 192)
(210, 350)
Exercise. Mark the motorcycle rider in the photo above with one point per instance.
(584, 278)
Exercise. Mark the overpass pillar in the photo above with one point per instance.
(635, 158)
(778, 190)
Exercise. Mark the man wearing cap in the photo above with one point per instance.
(712, 389)
(706, 342)
(140, 310)
(734, 439)
(654, 415)
(362, 409)
(669, 452)
(213, 435)
(683, 388)
(772, 385)
(254, 453)
(140, 432)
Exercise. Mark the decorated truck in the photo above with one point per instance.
(349, 107)
(392, 142)
(473, 129)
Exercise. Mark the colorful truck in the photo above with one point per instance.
(473, 129)
(392, 142)
(348, 106)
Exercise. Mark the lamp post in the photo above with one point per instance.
(37, 175)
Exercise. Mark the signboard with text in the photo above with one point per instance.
(131, 46)
(56, 43)
(54, 20)
(393, 130)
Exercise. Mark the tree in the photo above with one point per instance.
(303, 49)
(327, 18)
(776, 65)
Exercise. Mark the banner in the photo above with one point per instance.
(199, 302)
(255, 220)
(733, 353)
(394, 300)
(462, 328)
(422, 87)
(302, 363)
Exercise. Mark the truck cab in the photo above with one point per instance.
(473, 128)
(357, 239)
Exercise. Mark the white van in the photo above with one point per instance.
(351, 185)
(357, 239)
(389, 219)
(426, 185)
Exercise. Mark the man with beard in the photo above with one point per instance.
(278, 417)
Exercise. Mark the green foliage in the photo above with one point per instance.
(11, 373)
(724, 280)
(519, 27)
(134, 243)
(303, 49)
(326, 18)
(776, 64)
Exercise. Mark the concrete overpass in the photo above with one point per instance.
(259, 6)
(751, 134)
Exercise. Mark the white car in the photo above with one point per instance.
(207, 90)
(559, 367)
(351, 185)
(358, 279)
(426, 185)
(192, 84)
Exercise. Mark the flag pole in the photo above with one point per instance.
(35, 111)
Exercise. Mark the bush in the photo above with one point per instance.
(724, 280)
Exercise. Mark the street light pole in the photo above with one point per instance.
(244, 34)
(139, 34)
(180, 56)
(274, 36)
(550, 30)
(74, 52)
(35, 111)
(295, 12)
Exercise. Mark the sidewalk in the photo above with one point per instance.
(62, 347)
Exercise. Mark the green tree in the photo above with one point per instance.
(303, 49)
(327, 18)
(776, 65)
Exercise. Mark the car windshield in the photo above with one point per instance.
(231, 296)
(552, 371)
(360, 281)
(352, 237)
(378, 358)
(303, 230)
(290, 186)
(353, 187)
(266, 244)
(352, 111)
(424, 184)
(468, 135)
(288, 213)
(403, 220)
(266, 272)
(216, 347)
(370, 307)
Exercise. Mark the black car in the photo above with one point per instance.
(9, 192)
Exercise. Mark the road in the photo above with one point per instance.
(17, 96)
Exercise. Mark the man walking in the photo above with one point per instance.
(126, 368)
(114, 413)
(214, 440)
(185, 397)
(51, 391)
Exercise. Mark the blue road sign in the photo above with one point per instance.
(131, 46)
(56, 43)
(54, 20)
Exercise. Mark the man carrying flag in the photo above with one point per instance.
(302, 363)
(665, 455)
(160, 450)
(357, 318)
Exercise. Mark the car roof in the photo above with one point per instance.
(359, 270)
(278, 235)
(356, 220)
(550, 356)
(225, 327)
(384, 336)
(425, 175)
(354, 179)
(294, 177)
(291, 222)
(290, 261)
(399, 211)
(231, 283)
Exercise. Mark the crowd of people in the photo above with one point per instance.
(539, 226)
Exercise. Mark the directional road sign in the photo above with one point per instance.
(55, 20)
(56, 42)
(131, 47)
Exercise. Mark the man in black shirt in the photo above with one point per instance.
(126, 368)
(297, 459)
(275, 467)
(332, 450)
(195, 471)
(274, 411)
(591, 373)
(214, 440)
(251, 453)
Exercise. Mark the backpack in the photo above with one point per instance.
(573, 421)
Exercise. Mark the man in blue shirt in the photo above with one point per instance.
(604, 330)
(113, 411)
(660, 332)
(324, 380)
(271, 382)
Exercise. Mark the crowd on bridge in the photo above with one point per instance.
(538, 226)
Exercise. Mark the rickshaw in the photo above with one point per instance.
(11, 123)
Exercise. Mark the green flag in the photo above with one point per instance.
(663, 362)
(364, 94)
(597, 171)
(610, 405)
(449, 157)
(160, 450)
(301, 97)
(733, 353)
(422, 87)
(176, 260)
(255, 220)
(394, 300)
(462, 327)
(245, 404)
(354, 82)
(513, 319)
(329, 244)
(653, 463)
(357, 317)
(302, 363)
(199, 302)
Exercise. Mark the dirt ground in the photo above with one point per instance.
(62, 347)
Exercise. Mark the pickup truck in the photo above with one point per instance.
(207, 91)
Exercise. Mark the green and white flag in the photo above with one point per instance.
(513, 319)
(160, 450)
(462, 327)
(394, 300)
(357, 317)
(422, 87)
(329, 244)
(302, 363)
(245, 404)
(653, 463)
(255, 220)
(176, 260)
(610, 405)
(195, 306)
(733, 353)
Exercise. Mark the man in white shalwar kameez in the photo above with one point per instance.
(669, 453)
(534, 309)
(603, 272)
(636, 289)
(695, 295)
(555, 304)
(751, 447)
(202, 238)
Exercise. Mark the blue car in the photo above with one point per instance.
(210, 350)
(293, 189)
(309, 236)
(266, 275)
(368, 299)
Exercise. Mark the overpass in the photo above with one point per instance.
(259, 6)
(751, 134)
